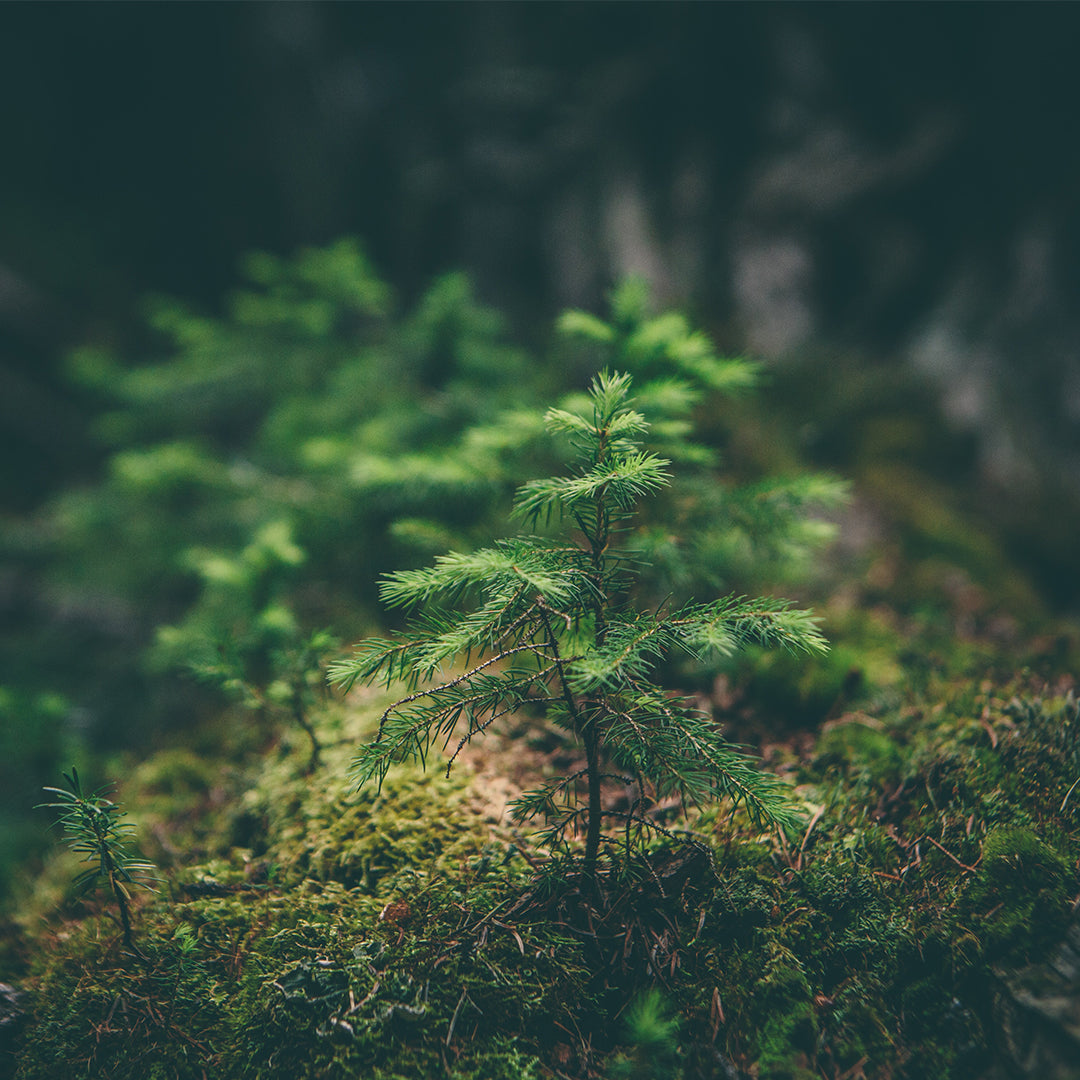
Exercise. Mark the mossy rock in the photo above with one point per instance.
(1021, 893)
(788, 1034)
(796, 691)
(1037, 1013)
(841, 949)
(859, 749)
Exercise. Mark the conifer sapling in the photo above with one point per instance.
(93, 829)
(545, 624)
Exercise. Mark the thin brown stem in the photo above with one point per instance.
(300, 716)
(588, 735)
(120, 895)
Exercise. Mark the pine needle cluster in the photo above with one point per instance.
(545, 624)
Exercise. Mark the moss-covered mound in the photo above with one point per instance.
(306, 930)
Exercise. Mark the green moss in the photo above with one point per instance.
(178, 773)
(1021, 894)
(279, 933)
(788, 1033)
(336, 933)
(860, 750)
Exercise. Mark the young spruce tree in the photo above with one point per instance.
(94, 830)
(545, 624)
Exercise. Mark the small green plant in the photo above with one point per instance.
(300, 675)
(242, 636)
(652, 1034)
(293, 678)
(93, 829)
(552, 630)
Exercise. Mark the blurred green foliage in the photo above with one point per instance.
(270, 462)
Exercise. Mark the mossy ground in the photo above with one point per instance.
(307, 930)
(303, 929)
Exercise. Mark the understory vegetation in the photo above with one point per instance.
(681, 838)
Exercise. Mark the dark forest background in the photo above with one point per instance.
(899, 182)
(284, 294)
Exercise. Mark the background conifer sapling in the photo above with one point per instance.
(546, 624)
(292, 683)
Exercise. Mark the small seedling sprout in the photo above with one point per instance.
(93, 829)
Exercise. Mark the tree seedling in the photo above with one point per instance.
(545, 624)
(93, 829)
(295, 676)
